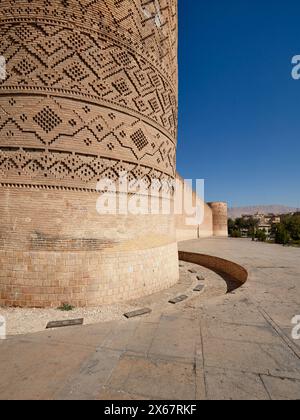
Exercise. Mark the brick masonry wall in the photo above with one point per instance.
(55, 220)
(84, 278)
(91, 91)
(186, 232)
(56, 248)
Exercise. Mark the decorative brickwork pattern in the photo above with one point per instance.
(90, 92)
(57, 145)
(92, 80)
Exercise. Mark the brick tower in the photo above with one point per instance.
(90, 92)
(220, 218)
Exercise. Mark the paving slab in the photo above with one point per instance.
(178, 299)
(241, 333)
(34, 370)
(65, 323)
(176, 337)
(251, 357)
(235, 309)
(156, 379)
(137, 313)
(94, 373)
(224, 384)
(199, 288)
(282, 388)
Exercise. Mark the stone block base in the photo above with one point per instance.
(84, 278)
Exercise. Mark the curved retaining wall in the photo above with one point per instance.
(236, 271)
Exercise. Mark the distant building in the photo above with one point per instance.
(244, 233)
(276, 220)
(267, 228)
(265, 223)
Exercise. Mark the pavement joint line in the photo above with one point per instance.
(292, 377)
(154, 334)
(199, 375)
(242, 324)
(169, 358)
(195, 376)
(265, 386)
(271, 356)
(155, 357)
(113, 369)
(270, 374)
(199, 372)
(231, 340)
(203, 361)
(278, 330)
(219, 322)
(40, 341)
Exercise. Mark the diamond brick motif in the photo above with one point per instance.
(139, 139)
(47, 119)
(76, 72)
(101, 85)
(25, 67)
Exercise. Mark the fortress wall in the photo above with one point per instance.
(186, 232)
(91, 92)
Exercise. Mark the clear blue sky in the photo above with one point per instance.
(239, 108)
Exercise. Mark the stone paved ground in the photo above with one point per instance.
(212, 346)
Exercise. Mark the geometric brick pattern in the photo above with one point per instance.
(76, 148)
(90, 92)
(47, 119)
(98, 80)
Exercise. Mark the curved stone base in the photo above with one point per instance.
(87, 278)
(55, 248)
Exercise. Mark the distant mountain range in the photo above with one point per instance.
(235, 212)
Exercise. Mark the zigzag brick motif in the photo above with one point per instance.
(91, 86)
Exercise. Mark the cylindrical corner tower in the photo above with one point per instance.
(220, 218)
(90, 91)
